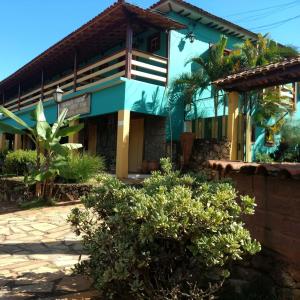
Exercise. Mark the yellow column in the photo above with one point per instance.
(92, 138)
(17, 142)
(232, 128)
(248, 138)
(75, 137)
(2, 141)
(123, 143)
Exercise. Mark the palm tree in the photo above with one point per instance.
(211, 67)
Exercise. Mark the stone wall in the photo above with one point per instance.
(155, 138)
(204, 150)
(14, 190)
(276, 225)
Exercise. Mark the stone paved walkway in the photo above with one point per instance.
(37, 252)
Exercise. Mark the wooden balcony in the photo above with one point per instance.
(138, 65)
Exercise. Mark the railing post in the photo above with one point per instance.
(42, 85)
(167, 54)
(129, 37)
(75, 72)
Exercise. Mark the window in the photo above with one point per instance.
(154, 42)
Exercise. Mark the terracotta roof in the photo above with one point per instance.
(103, 31)
(286, 170)
(247, 33)
(282, 72)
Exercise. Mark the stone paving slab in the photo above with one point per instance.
(37, 252)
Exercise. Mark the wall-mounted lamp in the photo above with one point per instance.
(190, 36)
(57, 95)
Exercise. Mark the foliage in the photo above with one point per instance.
(46, 139)
(211, 67)
(289, 148)
(81, 167)
(214, 64)
(173, 238)
(3, 154)
(263, 158)
(20, 162)
(259, 53)
(271, 108)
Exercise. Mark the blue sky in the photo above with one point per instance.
(28, 27)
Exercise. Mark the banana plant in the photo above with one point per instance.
(51, 154)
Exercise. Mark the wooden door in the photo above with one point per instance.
(136, 145)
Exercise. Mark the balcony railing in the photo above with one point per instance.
(144, 66)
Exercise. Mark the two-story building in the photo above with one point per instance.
(116, 72)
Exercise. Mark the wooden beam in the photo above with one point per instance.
(168, 53)
(2, 141)
(17, 142)
(129, 38)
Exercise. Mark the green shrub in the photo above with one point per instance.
(263, 158)
(3, 154)
(173, 238)
(19, 162)
(81, 167)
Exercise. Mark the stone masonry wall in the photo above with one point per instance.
(204, 150)
(155, 138)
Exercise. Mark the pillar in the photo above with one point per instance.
(75, 137)
(248, 141)
(122, 144)
(232, 128)
(241, 143)
(92, 138)
(2, 141)
(18, 142)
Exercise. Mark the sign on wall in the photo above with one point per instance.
(76, 106)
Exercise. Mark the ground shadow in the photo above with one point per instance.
(55, 247)
(47, 285)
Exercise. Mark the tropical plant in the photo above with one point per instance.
(261, 52)
(19, 162)
(46, 139)
(263, 158)
(271, 109)
(80, 167)
(212, 66)
(172, 238)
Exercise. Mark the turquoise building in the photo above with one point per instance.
(116, 72)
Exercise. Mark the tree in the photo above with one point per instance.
(212, 66)
(50, 153)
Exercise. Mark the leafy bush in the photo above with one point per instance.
(173, 238)
(19, 162)
(263, 158)
(81, 167)
(3, 154)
